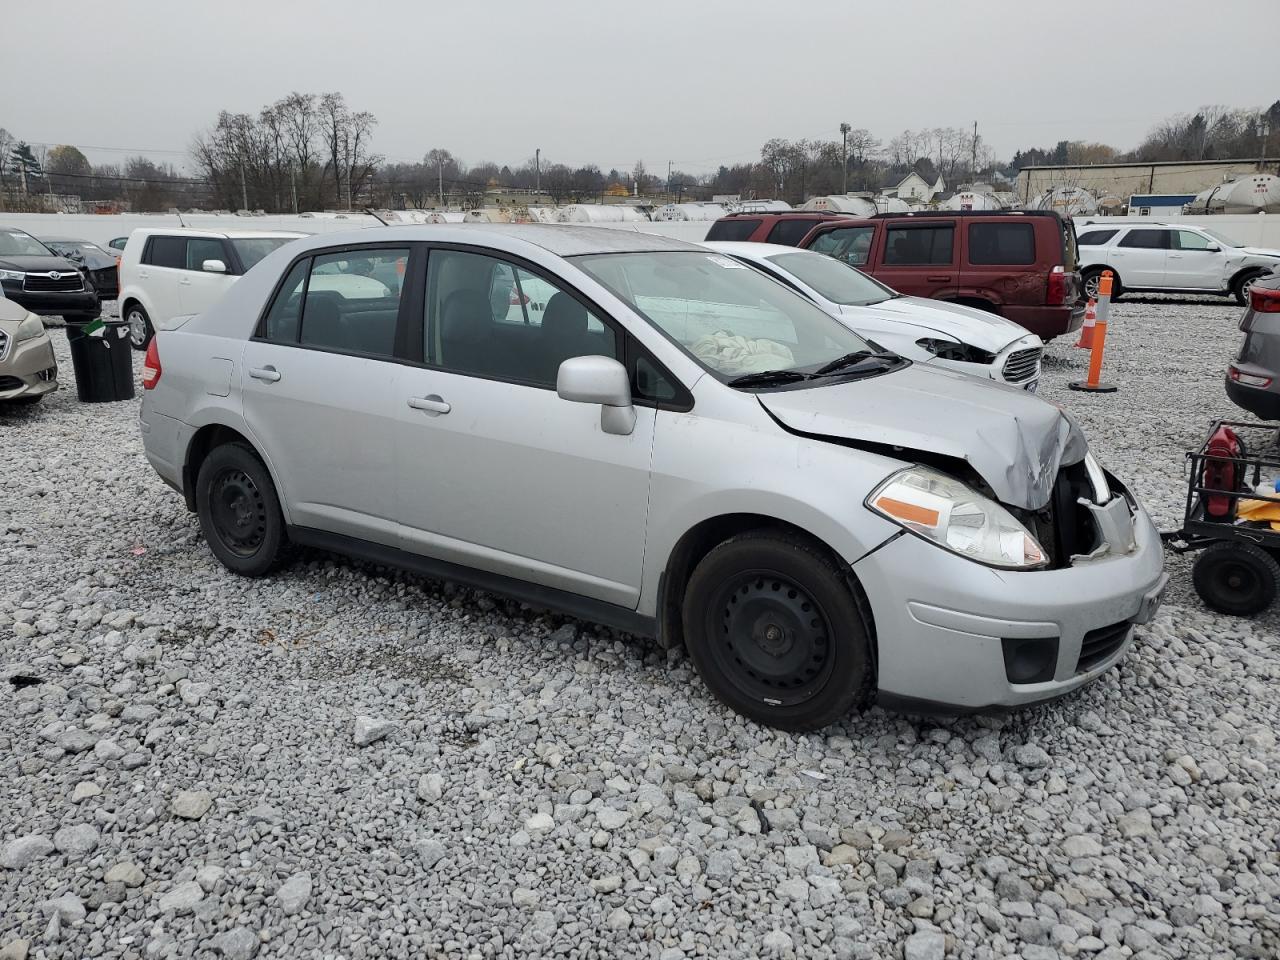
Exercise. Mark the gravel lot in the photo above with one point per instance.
(345, 762)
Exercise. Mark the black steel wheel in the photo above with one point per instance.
(239, 511)
(1236, 578)
(775, 632)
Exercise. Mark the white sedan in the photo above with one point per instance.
(926, 331)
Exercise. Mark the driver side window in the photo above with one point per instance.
(1193, 241)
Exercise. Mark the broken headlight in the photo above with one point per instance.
(940, 508)
(954, 350)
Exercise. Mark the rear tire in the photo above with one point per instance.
(140, 329)
(1236, 578)
(1241, 285)
(1093, 276)
(239, 510)
(774, 630)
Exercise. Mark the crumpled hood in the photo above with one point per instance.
(986, 331)
(1015, 441)
(1258, 252)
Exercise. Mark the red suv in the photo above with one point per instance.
(787, 229)
(1020, 264)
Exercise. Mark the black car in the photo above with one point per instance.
(37, 278)
(99, 264)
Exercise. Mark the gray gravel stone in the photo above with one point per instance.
(294, 893)
(369, 730)
(18, 853)
(238, 943)
(182, 898)
(191, 804)
(76, 840)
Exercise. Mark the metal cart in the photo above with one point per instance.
(1237, 573)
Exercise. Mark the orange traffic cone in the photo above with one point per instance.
(1086, 332)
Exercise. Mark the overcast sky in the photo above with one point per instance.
(699, 82)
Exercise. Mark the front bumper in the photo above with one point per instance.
(51, 303)
(942, 622)
(28, 369)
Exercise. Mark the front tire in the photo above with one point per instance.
(1242, 284)
(140, 329)
(1236, 578)
(239, 510)
(774, 630)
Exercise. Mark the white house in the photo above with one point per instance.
(915, 187)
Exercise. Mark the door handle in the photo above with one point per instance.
(268, 373)
(431, 404)
(184, 282)
(938, 279)
(1175, 256)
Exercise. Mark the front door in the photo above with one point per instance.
(319, 387)
(493, 470)
(199, 289)
(1195, 262)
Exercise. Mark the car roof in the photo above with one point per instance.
(755, 251)
(65, 240)
(217, 234)
(563, 240)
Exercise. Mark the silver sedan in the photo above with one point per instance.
(648, 434)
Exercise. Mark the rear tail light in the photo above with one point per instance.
(1264, 300)
(1248, 379)
(1056, 294)
(151, 366)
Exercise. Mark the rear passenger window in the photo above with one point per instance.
(850, 244)
(352, 301)
(1095, 238)
(733, 228)
(166, 252)
(1145, 239)
(1003, 243)
(790, 232)
(918, 246)
(489, 318)
(199, 250)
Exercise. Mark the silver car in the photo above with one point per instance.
(672, 444)
(28, 369)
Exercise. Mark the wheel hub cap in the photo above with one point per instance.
(238, 511)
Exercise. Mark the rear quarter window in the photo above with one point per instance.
(1012, 244)
(925, 245)
(789, 233)
(733, 229)
(1095, 238)
(166, 252)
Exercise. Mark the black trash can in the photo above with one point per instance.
(103, 362)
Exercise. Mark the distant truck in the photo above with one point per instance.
(1020, 264)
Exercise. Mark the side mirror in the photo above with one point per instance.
(599, 380)
(213, 266)
(1212, 249)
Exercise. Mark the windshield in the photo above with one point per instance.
(837, 281)
(253, 249)
(731, 319)
(15, 243)
(74, 246)
(1221, 238)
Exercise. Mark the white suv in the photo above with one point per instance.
(1169, 258)
(166, 273)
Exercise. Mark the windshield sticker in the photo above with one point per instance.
(725, 262)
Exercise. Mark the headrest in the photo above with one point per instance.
(466, 317)
(564, 317)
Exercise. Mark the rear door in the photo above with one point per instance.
(319, 381)
(851, 244)
(1140, 255)
(1000, 259)
(163, 264)
(1195, 262)
(199, 289)
(789, 231)
(918, 257)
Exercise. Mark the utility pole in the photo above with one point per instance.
(537, 166)
(244, 189)
(1264, 130)
(440, 171)
(844, 157)
(668, 178)
(293, 185)
(973, 164)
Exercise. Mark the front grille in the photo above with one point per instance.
(1100, 644)
(10, 383)
(1022, 365)
(45, 282)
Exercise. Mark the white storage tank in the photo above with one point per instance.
(1256, 193)
(689, 211)
(1068, 201)
(969, 200)
(446, 216)
(760, 206)
(599, 213)
(838, 203)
